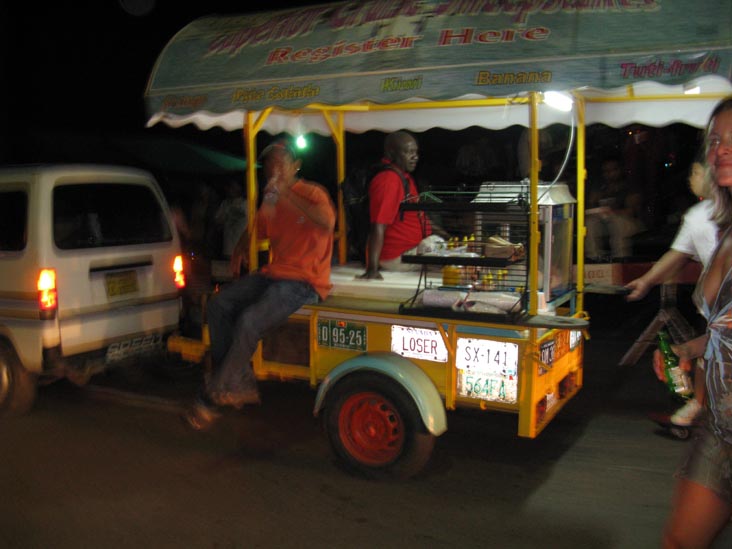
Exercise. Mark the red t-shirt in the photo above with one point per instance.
(386, 192)
(300, 249)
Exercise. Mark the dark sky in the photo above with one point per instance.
(83, 65)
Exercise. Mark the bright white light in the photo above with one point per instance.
(301, 142)
(694, 90)
(557, 100)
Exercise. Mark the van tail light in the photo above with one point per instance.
(47, 296)
(178, 275)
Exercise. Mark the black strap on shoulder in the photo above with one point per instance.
(382, 166)
(405, 181)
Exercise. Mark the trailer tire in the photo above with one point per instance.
(17, 385)
(374, 428)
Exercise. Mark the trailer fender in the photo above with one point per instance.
(404, 372)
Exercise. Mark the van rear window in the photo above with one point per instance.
(13, 220)
(96, 215)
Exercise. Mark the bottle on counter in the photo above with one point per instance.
(501, 275)
(451, 275)
(677, 379)
(487, 282)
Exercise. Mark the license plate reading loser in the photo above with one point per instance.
(487, 369)
(418, 343)
(340, 334)
(121, 283)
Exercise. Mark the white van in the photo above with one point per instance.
(90, 274)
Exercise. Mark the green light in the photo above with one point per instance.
(301, 142)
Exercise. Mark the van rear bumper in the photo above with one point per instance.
(116, 353)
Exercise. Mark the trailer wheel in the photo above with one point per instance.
(17, 385)
(375, 429)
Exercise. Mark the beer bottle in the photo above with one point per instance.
(677, 379)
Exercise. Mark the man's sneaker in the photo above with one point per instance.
(687, 414)
(200, 417)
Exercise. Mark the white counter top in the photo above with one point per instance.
(394, 286)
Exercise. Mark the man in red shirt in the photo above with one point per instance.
(298, 217)
(394, 232)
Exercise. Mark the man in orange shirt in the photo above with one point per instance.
(298, 217)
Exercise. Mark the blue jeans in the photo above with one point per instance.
(238, 316)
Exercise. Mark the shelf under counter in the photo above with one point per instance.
(510, 209)
(521, 319)
(461, 261)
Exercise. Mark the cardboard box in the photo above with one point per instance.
(600, 273)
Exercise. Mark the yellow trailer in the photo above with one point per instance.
(388, 370)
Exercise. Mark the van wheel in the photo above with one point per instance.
(17, 385)
(375, 429)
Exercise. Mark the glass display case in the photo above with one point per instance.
(486, 245)
(556, 227)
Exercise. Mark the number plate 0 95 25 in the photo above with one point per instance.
(340, 334)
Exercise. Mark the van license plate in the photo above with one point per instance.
(121, 283)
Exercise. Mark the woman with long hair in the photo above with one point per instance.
(703, 496)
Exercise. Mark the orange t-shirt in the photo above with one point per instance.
(300, 249)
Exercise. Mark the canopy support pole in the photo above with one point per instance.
(251, 129)
(338, 133)
(581, 179)
(534, 202)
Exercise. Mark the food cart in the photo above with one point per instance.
(390, 358)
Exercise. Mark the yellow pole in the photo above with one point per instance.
(250, 135)
(528, 369)
(534, 235)
(338, 133)
(581, 179)
(341, 167)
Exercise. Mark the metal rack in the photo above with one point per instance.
(486, 254)
(478, 258)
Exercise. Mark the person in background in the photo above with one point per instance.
(394, 233)
(523, 152)
(298, 217)
(696, 240)
(201, 221)
(703, 496)
(614, 213)
(231, 216)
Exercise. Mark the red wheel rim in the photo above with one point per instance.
(371, 429)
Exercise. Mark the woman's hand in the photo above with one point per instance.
(659, 367)
(691, 349)
(639, 289)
